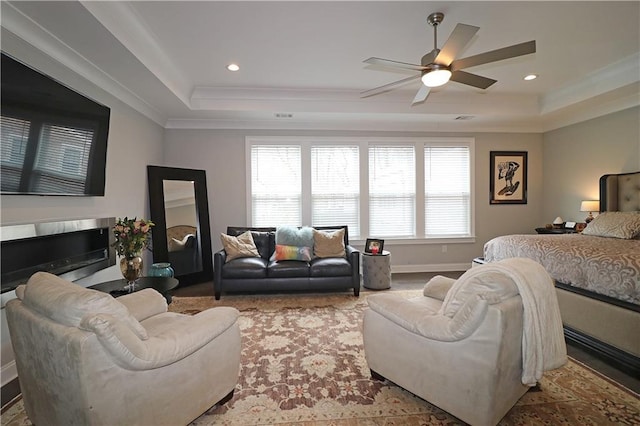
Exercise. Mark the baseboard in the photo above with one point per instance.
(8, 372)
(10, 391)
(443, 267)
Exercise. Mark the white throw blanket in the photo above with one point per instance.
(543, 345)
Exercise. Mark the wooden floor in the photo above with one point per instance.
(416, 281)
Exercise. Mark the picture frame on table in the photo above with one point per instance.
(373, 246)
(508, 177)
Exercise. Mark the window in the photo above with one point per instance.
(335, 186)
(392, 191)
(403, 188)
(447, 194)
(276, 185)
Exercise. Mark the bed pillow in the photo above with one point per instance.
(292, 253)
(625, 225)
(240, 246)
(329, 243)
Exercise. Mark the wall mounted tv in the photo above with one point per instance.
(53, 140)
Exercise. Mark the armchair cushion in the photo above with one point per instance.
(177, 338)
(494, 287)
(144, 303)
(438, 287)
(68, 303)
(420, 319)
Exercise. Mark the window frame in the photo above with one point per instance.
(363, 143)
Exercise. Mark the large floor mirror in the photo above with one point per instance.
(180, 210)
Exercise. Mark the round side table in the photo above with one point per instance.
(376, 270)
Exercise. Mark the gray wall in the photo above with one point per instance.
(134, 142)
(576, 156)
(221, 153)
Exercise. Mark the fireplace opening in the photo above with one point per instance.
(70, 249)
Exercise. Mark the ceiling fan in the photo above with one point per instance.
(440, 65)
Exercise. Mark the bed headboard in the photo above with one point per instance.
(620, 192)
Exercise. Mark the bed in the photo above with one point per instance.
(597, 273)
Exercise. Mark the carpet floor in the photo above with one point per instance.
(303, 364)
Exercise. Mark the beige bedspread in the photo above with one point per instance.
(607, 266)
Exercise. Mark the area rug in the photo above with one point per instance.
(303, 364)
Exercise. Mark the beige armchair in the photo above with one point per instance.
(473, 346)
(85, 358)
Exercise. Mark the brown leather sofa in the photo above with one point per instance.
(260, 274)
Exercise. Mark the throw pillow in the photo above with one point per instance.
(292, 253)
(329, 243)
(240, 246)
(292, 236)
(625, 225)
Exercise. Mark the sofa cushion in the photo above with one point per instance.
(240, 246)
(245, 267)
(328, 243)
(283, 252)
(288, 269)
(264, 242)
(330, 267)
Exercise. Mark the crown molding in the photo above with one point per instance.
(25, 29)
(597, 83)
(123, 22)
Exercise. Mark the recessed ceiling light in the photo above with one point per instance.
(531, 77)
(233, 67)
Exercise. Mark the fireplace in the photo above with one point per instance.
(70, 249)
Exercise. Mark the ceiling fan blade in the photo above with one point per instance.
(387, 87)
(495, 55)
(459, 38)
(421, 96)
(471, 79)
(394, 64)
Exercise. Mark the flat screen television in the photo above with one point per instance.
(53, 140)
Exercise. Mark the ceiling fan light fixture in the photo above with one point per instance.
(436, 77)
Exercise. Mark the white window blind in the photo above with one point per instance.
(392, 191)
(447, 190)
(335, 186)
(276, 185)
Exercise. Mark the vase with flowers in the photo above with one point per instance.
(131, 237)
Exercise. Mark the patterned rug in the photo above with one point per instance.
(303, 364)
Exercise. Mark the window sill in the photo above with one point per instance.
(419, 241)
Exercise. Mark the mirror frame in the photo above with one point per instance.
(156, 175)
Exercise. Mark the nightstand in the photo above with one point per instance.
(555, 231)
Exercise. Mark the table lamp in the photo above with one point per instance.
(590, 206)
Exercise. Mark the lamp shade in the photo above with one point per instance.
(436, 77)
(590, 206)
